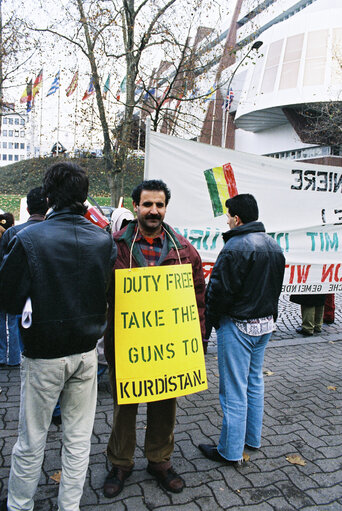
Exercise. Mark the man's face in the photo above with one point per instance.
(150, 211)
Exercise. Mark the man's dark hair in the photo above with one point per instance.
(36, 201)
(65, 184)
(6, 220)
(244, 206)
(151, 185)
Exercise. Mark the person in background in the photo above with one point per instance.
(242, 304)
(119, 219)
(312, 309)
(329, 309)
(147, 241)
(62, 266)
(10, 353)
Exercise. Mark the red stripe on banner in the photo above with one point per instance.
(230, 179)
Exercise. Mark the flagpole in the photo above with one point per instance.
(147, 145)
(58, 110)
(212, 122)
(41, 119)
(76, 111)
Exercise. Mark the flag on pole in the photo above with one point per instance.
(29, 97)
(55, 85)
(90, 90)
(138, 88)
(37, 83)
(73, 85)
(106, 88)
(211, 92)
(23, 98)
(123, 85)
(229, 100)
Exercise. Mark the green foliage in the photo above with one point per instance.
(19, 178)
(11, 204)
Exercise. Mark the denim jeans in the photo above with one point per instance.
(10, 352)
(42, 381)
(240, 361)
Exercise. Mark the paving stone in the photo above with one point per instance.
(301, 416)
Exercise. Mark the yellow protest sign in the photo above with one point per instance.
(158, 343)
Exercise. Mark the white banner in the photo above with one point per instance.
(299, 203)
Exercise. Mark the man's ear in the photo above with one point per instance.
(135, 206)
(238, 220)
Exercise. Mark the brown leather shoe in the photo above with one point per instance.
(166, 476)
(115, 480)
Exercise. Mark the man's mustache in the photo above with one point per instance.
(153, 217)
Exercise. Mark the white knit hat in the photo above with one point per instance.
(118, 216)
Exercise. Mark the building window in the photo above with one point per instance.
(22, 121)
(4, 120)
(16, 157)
(22, 145)
(10, 121)
(292, 56)
(16, 145)
(4, 133)
(316, 57)
(16, 133)
(10, 145)
(4, 156)
(271, 67)
(4, 145)
(22, 134)
(10, 157)
(22, 157)
(16, 121)
(10, 133)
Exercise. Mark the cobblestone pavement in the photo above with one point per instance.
(303, 416)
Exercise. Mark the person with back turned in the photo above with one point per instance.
(242, 303)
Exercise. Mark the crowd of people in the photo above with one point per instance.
(57, 302)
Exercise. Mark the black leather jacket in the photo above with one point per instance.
(246, 279)
(63, 264)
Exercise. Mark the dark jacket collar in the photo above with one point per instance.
(64, 211)
(243, 229)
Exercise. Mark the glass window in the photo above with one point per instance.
(16, 121)
(10, 133)
(16, 145)
(292, 56)
(316, 58)
(10, 120)
(22, 121)
(4, 145)
(4, 120)
(16, 157)
(4, 156)
(271, 68)
(22, 157)
(22, 134)
(16, 133)
(4, 133)
(10, 157)
(22, 145)
(10, 145)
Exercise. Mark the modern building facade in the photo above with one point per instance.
(13, 140)
(284, 92)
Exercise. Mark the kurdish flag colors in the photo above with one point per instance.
(221, 186)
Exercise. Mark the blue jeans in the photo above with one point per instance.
(240, 361)
(10, 352)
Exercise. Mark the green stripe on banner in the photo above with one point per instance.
(213, 192)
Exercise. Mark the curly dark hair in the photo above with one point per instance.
(36, 201)
(66, 184)
(6, 220)
(151, 185)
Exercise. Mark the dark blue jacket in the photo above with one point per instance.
(247, 277)
(63, 264)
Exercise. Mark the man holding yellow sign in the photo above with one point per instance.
(158, 321)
